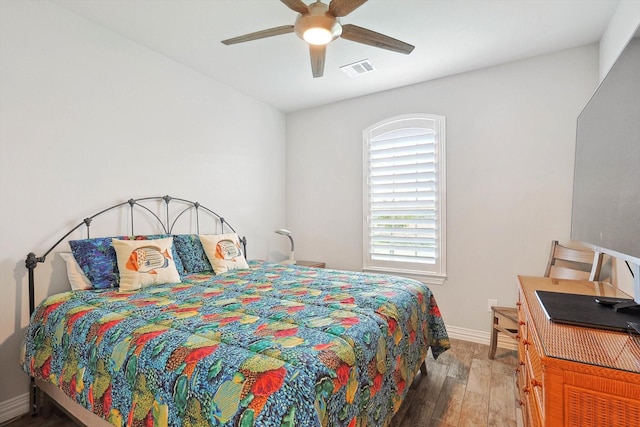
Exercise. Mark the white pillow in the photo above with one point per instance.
(145, 262)
(77, 278)
(224, 252)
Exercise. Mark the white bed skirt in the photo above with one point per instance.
(75, 410)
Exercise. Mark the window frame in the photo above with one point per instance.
(437, 274)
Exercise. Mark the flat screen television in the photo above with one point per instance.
(606, 188)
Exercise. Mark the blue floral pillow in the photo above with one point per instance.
(98, 260)
(191, 253)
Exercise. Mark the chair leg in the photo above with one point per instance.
(494, 339)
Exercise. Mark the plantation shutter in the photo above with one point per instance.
(402, 229)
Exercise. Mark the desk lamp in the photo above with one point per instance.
(287, 233)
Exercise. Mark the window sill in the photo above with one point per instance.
(427, 278)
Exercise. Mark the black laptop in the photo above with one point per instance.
(583, 310)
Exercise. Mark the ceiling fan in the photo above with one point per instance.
(318, 25)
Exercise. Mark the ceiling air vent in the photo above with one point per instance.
(358, 68)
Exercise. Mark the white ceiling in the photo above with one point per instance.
(450, 36)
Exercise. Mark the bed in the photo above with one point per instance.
(264, 344)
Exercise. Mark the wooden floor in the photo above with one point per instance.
(463, 388)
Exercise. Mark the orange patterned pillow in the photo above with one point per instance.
(145, 262)
(224, 252)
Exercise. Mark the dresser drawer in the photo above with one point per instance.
(529, 379)
(535, 374)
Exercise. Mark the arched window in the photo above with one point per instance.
(404, 197)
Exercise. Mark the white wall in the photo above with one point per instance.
(510, 153)
(620, 29)
(87, 119)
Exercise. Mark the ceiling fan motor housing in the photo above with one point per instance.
(317, 20)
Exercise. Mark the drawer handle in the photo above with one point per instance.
(521, 363)
(536, 383)
(517, 337)
(526, 390)
(518, 303)
(522, 322)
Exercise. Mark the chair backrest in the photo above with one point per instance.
(568, 263)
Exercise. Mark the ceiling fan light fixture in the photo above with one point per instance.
(317, 36)
(317, 27)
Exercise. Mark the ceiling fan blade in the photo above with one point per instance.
(344, 7)
(285, 29)
(296, 5)
(318, 53)
(364, 36)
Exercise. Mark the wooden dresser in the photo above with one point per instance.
(571, 375)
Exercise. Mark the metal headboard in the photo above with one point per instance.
(135, 205)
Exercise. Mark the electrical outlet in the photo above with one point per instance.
(491, 303)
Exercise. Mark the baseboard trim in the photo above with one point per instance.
(480, 337)
(14, 407)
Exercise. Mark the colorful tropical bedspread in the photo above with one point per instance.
(272, 345)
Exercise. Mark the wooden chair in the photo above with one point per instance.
(578, 264)
(564, 263)
(505, 320)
